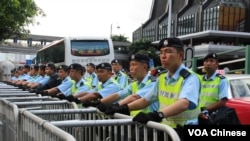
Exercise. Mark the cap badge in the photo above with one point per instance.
(132, 57)
(165, 42)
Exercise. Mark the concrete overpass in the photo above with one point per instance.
(27, 45)
(32, 43)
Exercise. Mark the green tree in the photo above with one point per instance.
(145, 47)
(16, 15)
(119, 38)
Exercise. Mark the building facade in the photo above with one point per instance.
(204, 25)
(191, 16)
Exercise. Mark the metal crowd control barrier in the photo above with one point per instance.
(31, 98)
(89, 124)
(5, 86)
(9, 115)
(34, 128)
(18, 95)
(60, 104)
(9, 121)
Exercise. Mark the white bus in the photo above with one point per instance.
(80, 50)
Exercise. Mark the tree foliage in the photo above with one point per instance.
(145, 47)
(119, 38)
(16, 15)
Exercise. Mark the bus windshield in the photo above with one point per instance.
(81, 50)
(89, 47)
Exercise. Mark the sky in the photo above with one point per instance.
(91, 17)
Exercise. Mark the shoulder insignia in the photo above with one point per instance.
(220, 76)
(81, 84)
(162, 72)
(152, 78)
(184, 73)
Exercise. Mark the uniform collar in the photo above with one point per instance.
(211, 78)
(107, 82)
(176, 74)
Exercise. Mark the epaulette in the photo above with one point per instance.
(152, 78)
(220, 76)
(162, 72)
(184, 73)
(81, 84)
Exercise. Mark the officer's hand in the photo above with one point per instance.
(61, 96)
(32, 90)
(44, 93)
(110, 110)
(95, 103)
(86, 103)
(71, 98)
(102, 107)
(145, 117)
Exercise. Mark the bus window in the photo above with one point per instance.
(89, 48)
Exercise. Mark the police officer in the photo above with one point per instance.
(24, 75)
(76, 73)
(139, 66)
(41, 80)
(92, 78)
(63, 74)
(119, 76)
(53, 80)
(214, 87)
(33, 73)
(177, 90)
(106, 86)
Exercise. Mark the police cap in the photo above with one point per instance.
(211, 55)
(76, 66)
(20, 68)
(63, 67)
(26, 66)
(90, 64)
(116, 61)
(42, 67)
(171, 42)
(35, 67)
(104, 66)
(50, 65)
(139, 57)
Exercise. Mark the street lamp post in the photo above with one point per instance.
(111, 28)
(169, 17)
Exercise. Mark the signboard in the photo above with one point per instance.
(221, 72)
(188, 55)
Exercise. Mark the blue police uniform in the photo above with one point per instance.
(66, 84)
(223, 93)
(44, 80)
(223, 86)
(109, 87)
(93, 79)
(26, 76)
(121, 78)
(79, 86)
(32, 78)
(38, 78)
(143, 88)
(190, 83)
